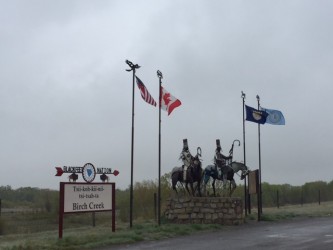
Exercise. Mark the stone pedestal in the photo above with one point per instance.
(207, 210)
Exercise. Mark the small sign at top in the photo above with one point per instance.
(88, 172)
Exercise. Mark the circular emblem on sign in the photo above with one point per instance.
(88, 172)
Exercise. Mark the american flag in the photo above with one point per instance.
(144, 92)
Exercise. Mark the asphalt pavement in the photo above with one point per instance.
(305, 233)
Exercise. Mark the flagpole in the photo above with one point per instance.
(245, 188)
(133, 68)
(260, 190)
(160, 76)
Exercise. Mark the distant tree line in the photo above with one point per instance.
(28, 197)
(145, 198)
(290, 195)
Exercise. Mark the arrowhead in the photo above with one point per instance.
(59, 171)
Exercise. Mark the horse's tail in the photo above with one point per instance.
(176, 173)
(175, 170)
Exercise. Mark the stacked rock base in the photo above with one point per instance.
(205, 210)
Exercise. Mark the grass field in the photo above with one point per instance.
(287, 212)
(79, 233)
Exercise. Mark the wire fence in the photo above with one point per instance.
(22, 221)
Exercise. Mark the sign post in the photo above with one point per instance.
(86, 197)
(83, 197)
(254, 188)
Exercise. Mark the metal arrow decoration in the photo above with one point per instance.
(66, 169)
(59, 171)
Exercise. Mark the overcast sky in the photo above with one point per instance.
(66, 99)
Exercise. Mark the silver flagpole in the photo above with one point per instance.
(260, 191)
(133, 68)
(160, 76)
(245, 186)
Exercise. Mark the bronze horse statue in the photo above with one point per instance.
(193, 175)
(228, 172)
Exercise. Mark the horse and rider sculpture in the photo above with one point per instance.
(191, 172)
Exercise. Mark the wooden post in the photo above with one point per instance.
(277, 198)
(61, 209)
(319, 197)
(155, 206)
(113, 226)
(254, 188)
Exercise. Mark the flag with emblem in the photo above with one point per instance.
(275, 117)
(254, 115)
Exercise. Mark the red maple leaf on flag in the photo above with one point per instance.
(166, 98)
(168, 102)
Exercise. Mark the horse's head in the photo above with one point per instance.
(199, 151)
(196, 167)
(197, 160)
(239, 166)
(244, 173)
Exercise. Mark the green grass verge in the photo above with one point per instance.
(78, 235)
(97, 237)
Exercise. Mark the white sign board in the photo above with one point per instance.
(87, 197)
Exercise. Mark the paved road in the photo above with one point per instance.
(311, 233)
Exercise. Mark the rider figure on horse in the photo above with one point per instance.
(186, 157)
(220, 159)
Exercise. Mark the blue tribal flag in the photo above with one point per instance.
(275, 117)
(254, 115)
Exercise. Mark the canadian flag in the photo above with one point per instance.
(168, 101)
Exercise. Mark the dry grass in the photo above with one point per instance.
(292, 211)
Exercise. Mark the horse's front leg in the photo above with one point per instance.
(199, 188)
(192, 189)
(186, 187)
(204, 188)
(174, 188)
(205, 180)
(224, 184)
(213, 185)
(232, 187)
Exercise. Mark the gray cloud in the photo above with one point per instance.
(65, 97)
